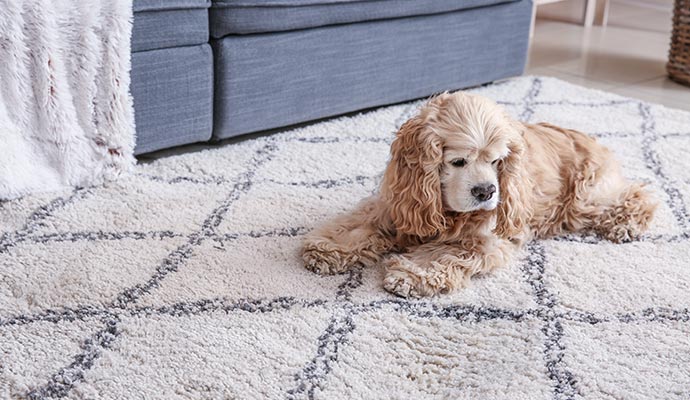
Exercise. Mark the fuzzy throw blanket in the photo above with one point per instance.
(66, 116)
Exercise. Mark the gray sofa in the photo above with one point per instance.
(282, 62)
(172, 73)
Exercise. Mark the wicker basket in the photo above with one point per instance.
(678, 66)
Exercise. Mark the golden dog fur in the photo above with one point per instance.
(423, 225)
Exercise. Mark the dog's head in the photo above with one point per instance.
(461, 154)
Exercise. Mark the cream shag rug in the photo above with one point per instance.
(184, 281)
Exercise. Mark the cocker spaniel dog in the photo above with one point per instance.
(466, 186)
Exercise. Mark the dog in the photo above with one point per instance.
(466, 187)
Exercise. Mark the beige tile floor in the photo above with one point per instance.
(627, 57)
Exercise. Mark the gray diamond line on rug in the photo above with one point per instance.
(675, 199)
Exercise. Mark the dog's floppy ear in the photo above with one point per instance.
(513, 212)
(412, 184)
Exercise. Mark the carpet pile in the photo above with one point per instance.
(184, 281)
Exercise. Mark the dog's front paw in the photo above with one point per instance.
(406, 279)
(622, 234)
(324, 261)
(401, 283)
(621, 228)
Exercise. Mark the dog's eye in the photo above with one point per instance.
(494, 162)
(459, 162)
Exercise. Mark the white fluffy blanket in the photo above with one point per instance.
(66, 116)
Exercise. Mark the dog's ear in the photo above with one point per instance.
(513, 209)
(412, 185)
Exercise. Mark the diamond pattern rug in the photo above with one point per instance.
(184, 280)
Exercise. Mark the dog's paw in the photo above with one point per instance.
(623, 234)
(324, 261)
(621, 229)
(402, 284)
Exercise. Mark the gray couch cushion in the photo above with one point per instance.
(169, 23)
(256, 16)
(173, 94)
(273, 80)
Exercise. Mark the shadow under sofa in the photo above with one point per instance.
(277, 63)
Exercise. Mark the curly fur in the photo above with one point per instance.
(550, 181)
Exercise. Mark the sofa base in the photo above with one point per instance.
(272, 80)
(173, 96)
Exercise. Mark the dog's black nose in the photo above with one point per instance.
(483, 192)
